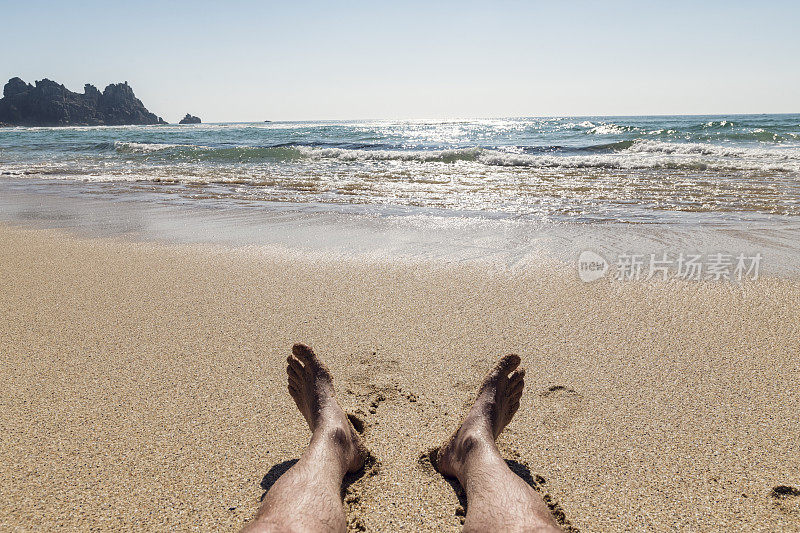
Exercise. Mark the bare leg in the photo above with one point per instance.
(308, 496)
(498, 499)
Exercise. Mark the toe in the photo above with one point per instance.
(505, 365)
(296, 365)
(295, 372)
(516, 389)
(306, 355)
(294, 392)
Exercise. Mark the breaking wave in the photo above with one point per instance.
(142, 148)
(635, 154)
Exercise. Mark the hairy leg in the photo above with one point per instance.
(308, 496)
(498, 499)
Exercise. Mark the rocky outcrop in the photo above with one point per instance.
(190, 119)
(51, 104)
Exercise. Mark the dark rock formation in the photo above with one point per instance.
(190, 119)
(51, 104)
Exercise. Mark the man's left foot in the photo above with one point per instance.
(497, 403)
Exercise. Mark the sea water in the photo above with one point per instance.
(736, 172)
(633, 169)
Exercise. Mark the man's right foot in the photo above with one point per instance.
(497, 402)
(311, 388)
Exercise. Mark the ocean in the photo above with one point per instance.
(576, 169)
(506, 191)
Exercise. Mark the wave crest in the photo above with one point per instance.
(634, 154)
(145, 148)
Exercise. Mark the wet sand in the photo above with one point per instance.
(143, 386)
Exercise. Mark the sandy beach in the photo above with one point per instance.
(144, 386)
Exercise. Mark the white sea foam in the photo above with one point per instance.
(607, 129)
(133, 147)
(777, 154)
(642, 154)
(422, 156)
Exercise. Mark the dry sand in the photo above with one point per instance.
(143, 387)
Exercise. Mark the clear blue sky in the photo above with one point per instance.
(245, 60)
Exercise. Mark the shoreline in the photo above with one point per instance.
(144, 385)
(380, 233)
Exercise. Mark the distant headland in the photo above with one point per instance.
(48, 103)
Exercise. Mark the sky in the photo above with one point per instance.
(255, 61)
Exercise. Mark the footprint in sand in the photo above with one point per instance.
(370, 367)
(426, 461)
(559, 406)
(786, 499)
(355, 484)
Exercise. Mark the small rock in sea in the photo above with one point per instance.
(190, 119)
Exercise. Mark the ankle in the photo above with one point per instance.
(472, 445)
(340, 440)
(333, 433)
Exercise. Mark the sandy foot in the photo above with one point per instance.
(311, 388)
(497, 402)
